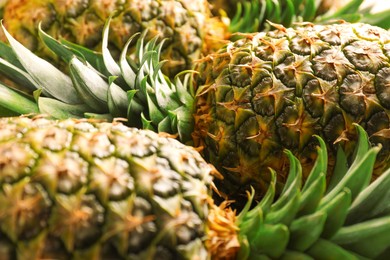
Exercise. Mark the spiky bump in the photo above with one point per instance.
(77, 189)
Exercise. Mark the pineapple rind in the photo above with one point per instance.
(181, 22)
(79, 187)
(93, 190)
(274, 90)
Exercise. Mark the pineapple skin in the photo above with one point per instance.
(78, 189)
(186, 25)
(274, 90)
(65, 193)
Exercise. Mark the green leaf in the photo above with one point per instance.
(309, 11)
(271, 240)
(268, 199)
(372, 201)
(5, 112)
(109, 61)
(251, 226)
(59, 49)
(246, 18)
(53, 82)
(295, 255)
(146, 124)
(134, 109)
(16, 101)
(336, 210)
(164, 95)
(379, 19)
(297, 4)
(368, 238)
(295, 173)
(155, 114)
(165, 126)
(289, 13)
(276, 15)
(18, 76)
(356, 178)
(8, 54)
(359, 174)
(117, 100)
(324, 250)
(92, 57)
(285, 214)
(340, 169)
(363, 145)
(244, 212)
(269, 9)
(185, 124)
(91, 88)
(105, 117)
(312, 196)
(306, 230)
(350, 8)
(60, 110)
(320, 165)
(184, 89)
(244, 250)
(129, 75)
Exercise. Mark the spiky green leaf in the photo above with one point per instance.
(53, 82)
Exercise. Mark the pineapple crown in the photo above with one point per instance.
(252, 15)
(97, 86)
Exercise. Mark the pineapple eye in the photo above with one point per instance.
(366, 55)
(382, 87)
(27, 206)
(16, 161)
(111, 179)
(63, 172)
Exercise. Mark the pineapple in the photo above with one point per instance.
(182, 22)
(83, 189)
(274, 90)
(87, 190)
(245, 104)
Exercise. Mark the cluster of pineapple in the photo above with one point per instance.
(281, 117)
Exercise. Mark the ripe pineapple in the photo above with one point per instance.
(88, 190)
(82, 189)
(255, 97)
(274, 90)
(182, 22)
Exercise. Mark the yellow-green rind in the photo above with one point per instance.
(275, 90)
(76, 189)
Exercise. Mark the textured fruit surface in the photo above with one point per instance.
(274, 90)
(181, 22)
(84, 190)
(256, 97)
